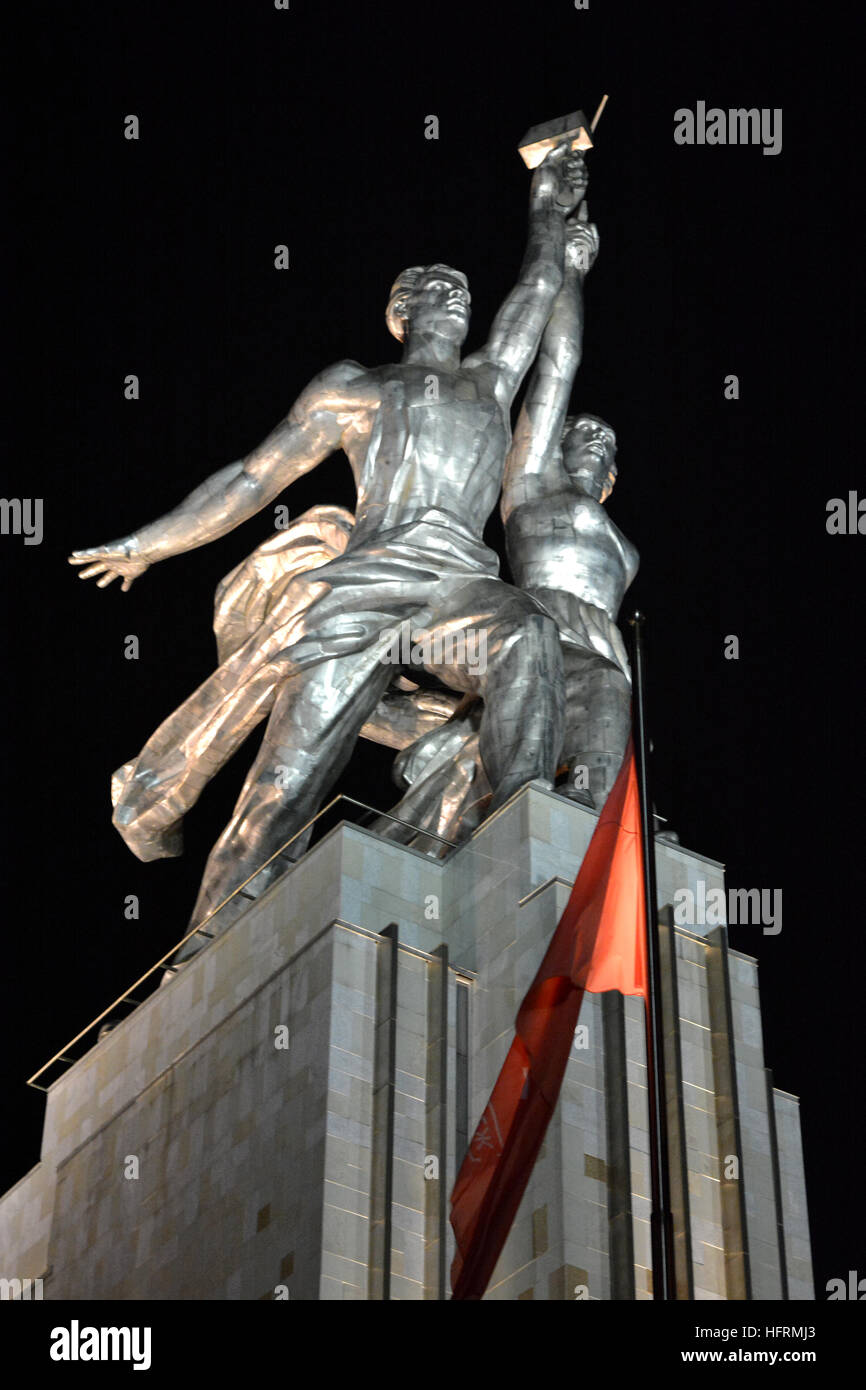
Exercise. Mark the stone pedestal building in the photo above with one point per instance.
(286, 1117)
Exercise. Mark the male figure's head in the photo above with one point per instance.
(429, 299)
(589, 455)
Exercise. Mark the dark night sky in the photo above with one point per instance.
(307, 127)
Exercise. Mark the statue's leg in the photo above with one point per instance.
(312, 730)
(597, 724)
(444, 776)
(326, 699)
(152, 793)
(521, 679)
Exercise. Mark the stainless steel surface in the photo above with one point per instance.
(427, 440)
(562, 546)
(565, 551)
(152, 793)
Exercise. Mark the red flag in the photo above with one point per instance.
(599, 944)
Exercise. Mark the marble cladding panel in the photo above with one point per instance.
(254, 1163)
(795, 1212)
(210, 1184)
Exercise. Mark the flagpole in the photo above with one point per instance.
(661, 1224)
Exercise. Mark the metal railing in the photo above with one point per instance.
(127, 998)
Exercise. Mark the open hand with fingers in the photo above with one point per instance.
(117, 560)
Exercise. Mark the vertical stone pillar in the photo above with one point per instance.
(436, 1187)
(730, 1148)
(675, 1108)
(384, 1101)
(619, 1214)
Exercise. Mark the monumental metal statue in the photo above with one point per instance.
(152, 793)
(565, 551)
(427, 440)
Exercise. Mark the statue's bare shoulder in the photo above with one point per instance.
(343, 385)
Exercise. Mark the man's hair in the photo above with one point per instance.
(395, 314)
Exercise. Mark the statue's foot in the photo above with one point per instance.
(582, 795)
(136, 817)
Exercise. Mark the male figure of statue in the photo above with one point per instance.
(565, 551)
(152, 793)
(427, 440)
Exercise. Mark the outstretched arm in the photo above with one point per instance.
(312, 430)
(558, 182)
(538, 430)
